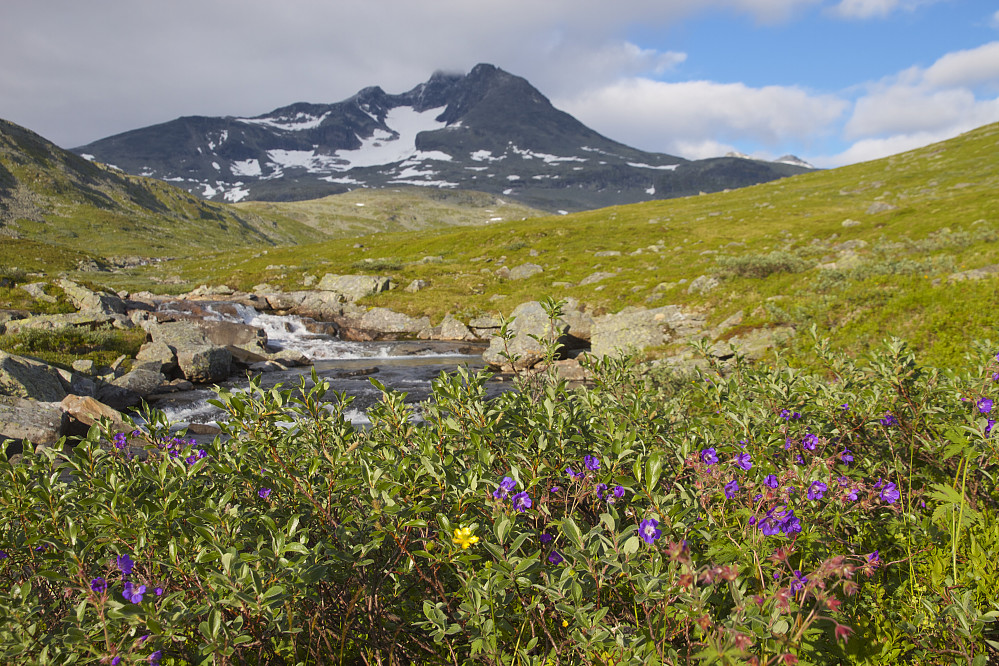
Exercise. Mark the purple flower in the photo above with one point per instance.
(555, 489)
(98, 585)
(545, 537)
(601, 489)
(120, 440)
(521, 502)
(874, 558)
(592, 463)
(985, 405)
(799, 581)
(555, 558)
(890, 493)
(731, 488)
(888, 420)
(649, 530)
(846, 457)
(852, 494)
(573, 475)
(769, 526)
(809, 441)
(155, 657)
(3, 555)
(505, 486)
(845, 406)
(785, 414)
(744, 461)
(798, 460)
(790, 524)
(817, 490)
(618, 492)
(116, 661)
(133, 593)
(771, 481)
(125, 564)
(995, 376)
(709, 456)
(158, 591)
(988, 427)
(264, 493)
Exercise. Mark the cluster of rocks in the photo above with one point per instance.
(186, 344)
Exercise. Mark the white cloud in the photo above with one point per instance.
(864, 9)
(971, 67)
(700, 118)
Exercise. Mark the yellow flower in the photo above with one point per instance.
(565, 623)
(463, 537)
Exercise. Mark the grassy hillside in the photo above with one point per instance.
(52, 196)
(860, 251)
(365, 211)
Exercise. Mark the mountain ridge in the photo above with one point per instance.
(487, 130)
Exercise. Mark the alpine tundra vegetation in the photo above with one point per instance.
(829, 499)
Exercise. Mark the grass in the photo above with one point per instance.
(63, 346)
(781, 251)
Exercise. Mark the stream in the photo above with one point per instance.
(406, 366)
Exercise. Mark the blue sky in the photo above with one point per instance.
(832, 81)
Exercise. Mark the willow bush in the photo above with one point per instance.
(761, 515)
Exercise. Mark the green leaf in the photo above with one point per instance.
(572, 532)
(653, 469)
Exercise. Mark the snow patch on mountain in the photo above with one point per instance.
(545, 157)
(663, 167)
(387, 148)
(300, 121)
(250, 168)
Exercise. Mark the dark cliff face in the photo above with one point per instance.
(486, 130)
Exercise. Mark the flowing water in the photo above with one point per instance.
(407, 366)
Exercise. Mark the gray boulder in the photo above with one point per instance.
(28, 378)
(41, 423)
(529, 322)
(637, 329)
(86, 300)
(141, 380)
(204, 364)
(381, 324)
(452, 329)
(354, 287)
(525, 271)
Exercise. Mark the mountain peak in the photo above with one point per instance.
(486, 130)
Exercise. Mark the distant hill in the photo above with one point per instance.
(51, 195)
(488, 130)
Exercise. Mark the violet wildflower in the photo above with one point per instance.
(555, 489)
(709, 456)
(155, 657)
(618, 492)
(649, 530)
(817, 490)
(133, 593)
(99, 585)
(890, 493)
(851, 494)
(125, 564)
(158, 591)
(845, 406)
(521, 502)
(846, 456)
(592, 463)
(985, 405)
(3, 555)
(555, 558)
(874, 559)
(799, 581)
(785, 414)
(798, 460)
(120, 440)
(771, 481)
(888, 420)
(505, 486)
(545, 537)
(731, 488)
(744, 461)
(768, 526)
(989, 426)
(601, 489)
(264, 493)
(573, 475)
(116, 661)
(809, 441)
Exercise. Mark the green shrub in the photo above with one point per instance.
(763, 265)
(845, 517)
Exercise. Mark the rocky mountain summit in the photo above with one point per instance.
(488, 130)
